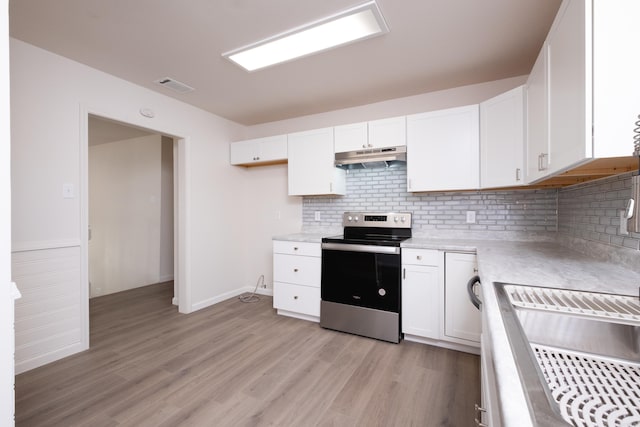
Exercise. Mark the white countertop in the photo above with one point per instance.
(301, 237)
(534, 263)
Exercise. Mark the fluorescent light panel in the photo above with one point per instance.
(358, 23)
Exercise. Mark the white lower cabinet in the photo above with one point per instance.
(300, 299)
(435, 307)
(296, 279)
(462, 323)
(489, 412)
(421, 292)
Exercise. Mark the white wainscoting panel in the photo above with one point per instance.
(48, 317)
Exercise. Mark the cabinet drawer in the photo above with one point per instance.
(296, 298)
(296, 269)
(296, 248)
(421, 257)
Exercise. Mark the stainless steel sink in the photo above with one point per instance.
(578, 354)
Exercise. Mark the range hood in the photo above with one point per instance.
(372, 158)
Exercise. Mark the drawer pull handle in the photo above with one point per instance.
(295, 270)
(419, 257)
(295, 248)
(295, 297)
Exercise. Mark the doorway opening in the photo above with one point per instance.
(133, 220)
(131, 232)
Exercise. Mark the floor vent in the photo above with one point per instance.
(174, 85)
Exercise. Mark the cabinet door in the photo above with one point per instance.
(350, 137)
(570, 86)
(443, 150)
(311, 164)
(388, 132)
(244, 152)
(463, 322)
(502, 140)
(616, 84)
(421, 301)
(273, 148)
(260, 150)
(537, 141)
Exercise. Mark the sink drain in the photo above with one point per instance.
(591, 391)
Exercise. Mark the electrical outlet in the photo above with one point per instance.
(471, 217)
(316, 216)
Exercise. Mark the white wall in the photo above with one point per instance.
(48, 121)
(126, 205)
(431, 101)
(6, 299)
(269, 212)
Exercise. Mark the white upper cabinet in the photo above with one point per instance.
(374, 134)
(537, 120)
(443, 150)
(311, 164)
(354, 136)
(569, 86)
(259, 151)
(502, 140)
(616, 65)
(586, 73)
(388, 132)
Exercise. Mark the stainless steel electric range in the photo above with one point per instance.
(360, 284)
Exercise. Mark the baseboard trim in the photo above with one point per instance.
(444, 344)
(262, 291)
(231, 294)
(47, 358)
(166, 278)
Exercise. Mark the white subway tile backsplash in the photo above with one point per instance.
(591, 211)
(386, 190)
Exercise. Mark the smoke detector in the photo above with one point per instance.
(174, 85)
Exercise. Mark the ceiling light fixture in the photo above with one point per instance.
(358, 23)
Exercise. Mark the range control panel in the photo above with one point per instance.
(376, 219)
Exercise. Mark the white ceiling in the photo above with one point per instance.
(432, 45)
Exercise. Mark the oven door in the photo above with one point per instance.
(361, 275)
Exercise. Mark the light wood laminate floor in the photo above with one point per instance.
(236, 364)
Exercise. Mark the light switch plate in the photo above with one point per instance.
(68, 191)
(316, 216)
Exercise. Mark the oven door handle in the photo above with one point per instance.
(348, 247)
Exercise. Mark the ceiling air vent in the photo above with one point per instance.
(174, 85)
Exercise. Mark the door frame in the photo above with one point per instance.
(181, 267)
